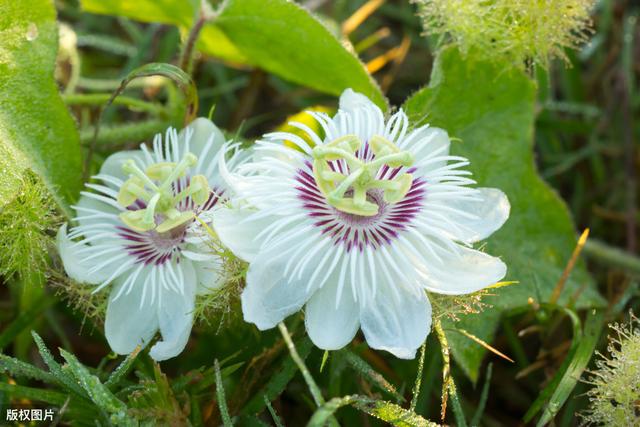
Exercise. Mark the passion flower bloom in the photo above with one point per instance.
(358, 227)
(141, 233)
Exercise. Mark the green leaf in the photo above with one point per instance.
(386, 411)
(122, 370)
(264, 30)
(97, 392)
(565, 381)
(174, 12)
(35, 126)
(492, 111)
(371, 374)
(259, 32)
(24, 320)
(392, 413)
(54, 367)
(38, 394)
(222, 400)
(279, 380)
(18, 368)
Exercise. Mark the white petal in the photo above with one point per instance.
(328, 326)
(239, 234)
(113, 165)
(425, 143)
(397, 322)
(73, 260)
(492, 212)
(463, 272)
(95, 216)
(269, 297)
(351, 100)
(175, 315)
(127, 325)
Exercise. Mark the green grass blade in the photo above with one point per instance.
(279, 381)
(371, 374)
(31, 393)
(54, 367)
(322, 414)
(274, 414)
(122, 370)
(546, 393)
(418, 384)
(222, 401)
(18, 368)
(586, 347)
(477, 416)
(24, 320)
(392, 413)
(97, 392)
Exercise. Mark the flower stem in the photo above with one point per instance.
(205, 14)
(313, 387)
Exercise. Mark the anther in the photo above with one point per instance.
(361, 178)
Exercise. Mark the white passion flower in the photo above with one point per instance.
(358, 227)
(141, 232)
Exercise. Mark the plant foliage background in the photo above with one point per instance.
(558, 138)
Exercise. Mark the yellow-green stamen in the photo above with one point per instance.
(154, 187)
(362, 175)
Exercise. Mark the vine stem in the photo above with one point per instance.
(205, 14)
(311, 383)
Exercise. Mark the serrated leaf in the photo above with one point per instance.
(492, 111)
(36, 129)
(277, 35)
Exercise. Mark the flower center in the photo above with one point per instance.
(349, 192)
(154, 187)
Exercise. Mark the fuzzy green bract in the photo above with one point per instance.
(276, 35)
(492, 111)
(36, 129)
